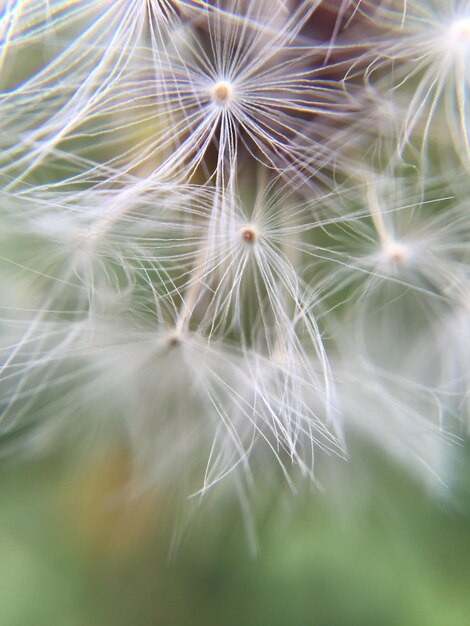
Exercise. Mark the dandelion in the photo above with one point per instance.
(429, 48)
(70, 78)
(227, 231)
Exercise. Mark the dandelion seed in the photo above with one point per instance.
(429, 46)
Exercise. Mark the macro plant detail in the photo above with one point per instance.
(236, 232)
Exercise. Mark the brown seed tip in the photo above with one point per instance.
(222, 93)
(174, 340)
(395, 252)
(249, 234)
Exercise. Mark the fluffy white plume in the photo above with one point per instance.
(233, 227)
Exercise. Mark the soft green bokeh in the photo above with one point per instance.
(374, 549)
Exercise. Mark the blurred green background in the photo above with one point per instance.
(371, 548)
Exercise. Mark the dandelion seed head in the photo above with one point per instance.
(181, 276)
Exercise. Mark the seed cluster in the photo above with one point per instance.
(238, 228)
